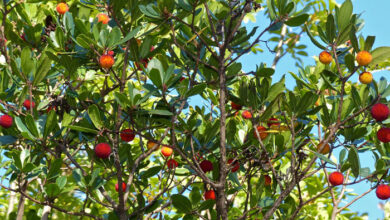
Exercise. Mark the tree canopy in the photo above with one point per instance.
(140, 109)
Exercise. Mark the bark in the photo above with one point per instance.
(46, 212)
(22, 200)
(12, 198)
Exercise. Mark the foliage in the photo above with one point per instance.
(177, 70)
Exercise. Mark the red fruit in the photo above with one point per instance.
(23, 36)
(209, 194)
(103, 150)
(261, 131)
(246, 114)
(236, 106)
(383, 135)
(206, 166)
(27, 104)
(51, 108)
(336, 178)
(172, 163)
(236, 165)
(110, 52)
(383, 191)
(166, 151)
(127, 135)
(106, 61)
(123, 187)
(380, 112)
(267, 180)
(273, 121)
(144, 62)
(182, 78)
(5, 121)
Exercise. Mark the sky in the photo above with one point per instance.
(376, 15)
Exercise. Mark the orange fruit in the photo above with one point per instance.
(103, 18)
(363, 58)
(261, 131)
(325, 150)
(106, 61)
(325, 57)
(62, 8)
(365, 77)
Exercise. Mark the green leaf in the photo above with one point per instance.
(83, 129)
(23, 129)
(195, 195)
(94, 114)
(7, 139)
(55, 168)
(160, 112)
(114, 36)
(271, 9)
(197, 89)
(52, 190)
(122, 99)
(353, 39)
(369, 42)
(313, 40)
(44, 65)
(181, 203)
(78, 177)
(324, 158)
(30, 123)
(61, 182)
(344, 15)
(330, 28)
(51, 122)
(355, 97)
(208, 204)
(27, 63)
(297, 21)
(379, 55)
(149, 11)
(150, 172)
(353, 158)
(129, 36)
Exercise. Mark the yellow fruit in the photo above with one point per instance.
(365, 78)
(151, 144)
(363, 58)
(325, 57)
(325, 150)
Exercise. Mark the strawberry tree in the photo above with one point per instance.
(141, 109)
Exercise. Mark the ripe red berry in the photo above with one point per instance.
(383, 191)
(383, 135)
(127, 135)
(5, 121)
(246, 114)
(267, 180)
(103, 150)
(27, 104)
(106, 61)
(380, 112)
(209, 194)
(261, 130)
(336, 178)
(273, 121)
(236, 106)
(235, 165)
(206, 166)
(123, 187)
(172, 163)
(110, 52)
(182, 78)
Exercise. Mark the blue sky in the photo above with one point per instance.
(376, 15)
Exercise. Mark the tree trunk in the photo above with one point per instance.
(22, 200)
(12, 198)
(46, 212)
